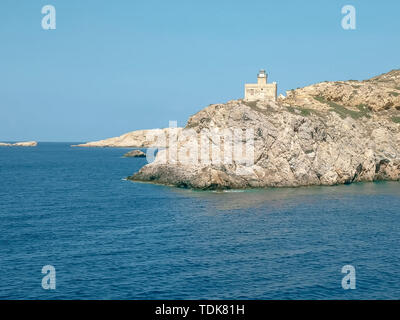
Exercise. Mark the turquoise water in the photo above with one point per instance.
(109, 238)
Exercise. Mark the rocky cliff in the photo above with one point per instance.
(377, 94)
(325, 134)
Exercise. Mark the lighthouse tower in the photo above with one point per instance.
(262, 78)
(261, 90)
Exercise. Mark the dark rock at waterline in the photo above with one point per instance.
(135, 154)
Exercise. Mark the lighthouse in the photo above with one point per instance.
(262, 90)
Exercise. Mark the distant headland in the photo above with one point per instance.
(19, 144)
(323, 134)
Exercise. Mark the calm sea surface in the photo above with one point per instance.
(109, 238)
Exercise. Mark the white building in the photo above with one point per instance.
(260, 90)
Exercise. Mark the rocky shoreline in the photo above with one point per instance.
(135, 154)
(325, 134)
(135, 139)
(19, 144)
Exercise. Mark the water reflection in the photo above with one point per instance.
(286, 197)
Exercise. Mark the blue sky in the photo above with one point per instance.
(115, 66)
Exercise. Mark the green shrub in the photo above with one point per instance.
(343, 112)
(291, 109)
(364, 110)
(320, 99)
(305, 112)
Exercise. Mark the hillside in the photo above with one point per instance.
(325, 134)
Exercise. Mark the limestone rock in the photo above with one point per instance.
(376, 94)
(25, 144)
(135, 139)
(135, 154)
(316, 142)
(19, 144)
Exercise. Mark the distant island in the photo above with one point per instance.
(324, 134)
(19, 144)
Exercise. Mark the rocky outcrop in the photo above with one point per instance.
(25, 144)
(135, 139)
(135, 154)
(377, 94)
(318, 135)
(19, 144)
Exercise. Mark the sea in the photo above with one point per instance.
(105, 237)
